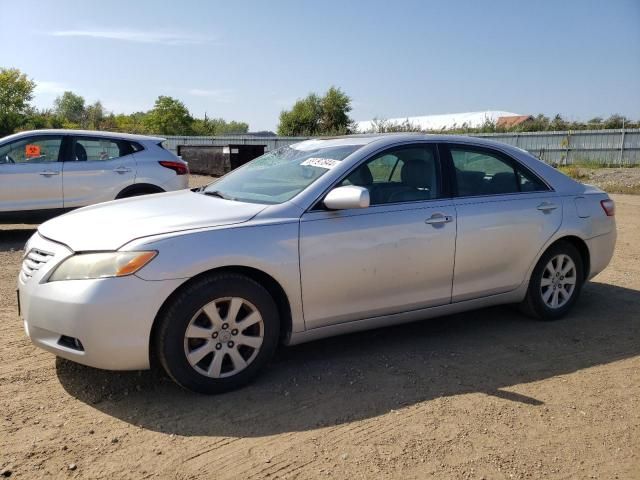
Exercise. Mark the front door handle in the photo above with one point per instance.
(122, 170)
(49, 173)
(438, 218)
(547, 207)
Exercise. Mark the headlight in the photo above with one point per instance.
(101, 265)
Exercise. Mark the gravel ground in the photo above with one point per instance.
(612, 180)
(486, 394)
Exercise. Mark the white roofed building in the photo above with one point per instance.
(443, 122)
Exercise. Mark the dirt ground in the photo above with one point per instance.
(487, 394)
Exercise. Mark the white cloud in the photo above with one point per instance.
(50, 88)
(222, 95)
(161, 38)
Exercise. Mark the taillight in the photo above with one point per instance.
(609, 207)
(178, 167)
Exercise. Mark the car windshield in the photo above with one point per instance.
(280, 175)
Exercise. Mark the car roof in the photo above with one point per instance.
(93, 133)
(391, 138)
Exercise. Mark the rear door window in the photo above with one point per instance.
(480, 171)
(95, 149)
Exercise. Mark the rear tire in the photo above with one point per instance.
(218, 333)
(555, 283)
(137, 192)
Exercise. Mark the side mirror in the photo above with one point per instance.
(343, 198)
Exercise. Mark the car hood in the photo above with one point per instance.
(110, 225)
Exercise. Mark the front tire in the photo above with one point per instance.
(218, 333)
(555, 283)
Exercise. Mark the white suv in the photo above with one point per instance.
(51, 171)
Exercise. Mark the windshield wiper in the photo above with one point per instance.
(217, 193)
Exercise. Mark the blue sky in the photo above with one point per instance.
(247, 60)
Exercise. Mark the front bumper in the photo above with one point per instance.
(111, 317)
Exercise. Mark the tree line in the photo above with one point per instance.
(314, 115)
(169, 116)
(538, 123)
(329, 115)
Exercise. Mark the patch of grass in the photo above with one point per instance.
(574, 172)
(595, 164)
(627, 189)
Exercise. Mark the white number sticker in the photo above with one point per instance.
(327, 163)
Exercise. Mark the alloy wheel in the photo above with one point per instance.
(224, 337)
(558, 281)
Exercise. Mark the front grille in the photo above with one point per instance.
(32, 262)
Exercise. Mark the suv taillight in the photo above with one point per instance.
(178, 167)
(609, 207)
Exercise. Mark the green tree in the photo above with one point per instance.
(315, 115)
(616, 121)
(37, 119)
(16, 91)
(109, 123)
(133, 123)
(558, 123)
(169, 116)
(335, 107)
(94, 117)
(222, 127)
(217, 126)
(539, 123)
(303, 118)
(70, 109)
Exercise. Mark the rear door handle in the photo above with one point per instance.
(49, 173)
(547, 206)
(121, 170)
(438, 218)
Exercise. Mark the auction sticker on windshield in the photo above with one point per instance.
(327, 163)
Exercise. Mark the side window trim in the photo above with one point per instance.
(393, 170)
(512, 162)
(65, 148)
(446, 187)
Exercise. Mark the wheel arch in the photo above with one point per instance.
(267, 281)
(138, 188)
(582, 248)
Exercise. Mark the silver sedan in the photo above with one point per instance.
(320, 238)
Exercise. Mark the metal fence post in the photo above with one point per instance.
(621, 155)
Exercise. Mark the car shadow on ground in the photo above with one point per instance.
(359, 376)
(15, 238)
